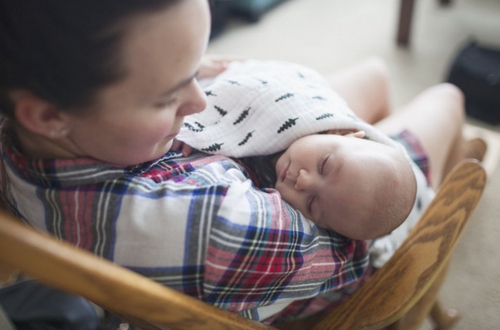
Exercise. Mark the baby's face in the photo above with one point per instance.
(334, 180)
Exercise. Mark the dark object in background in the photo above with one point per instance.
(220, 10)
(30, 305)
(252, 9)
(223, 10)
(33, 306)
(476, 71)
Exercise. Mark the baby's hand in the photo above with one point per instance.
(181, 146)
(347, 132)
(212, 65)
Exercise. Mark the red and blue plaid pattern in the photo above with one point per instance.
(195, 224)
(415, 151)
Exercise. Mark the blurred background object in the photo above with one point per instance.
(251, 10)
(476, 70)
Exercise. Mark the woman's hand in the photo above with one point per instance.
(212, 65)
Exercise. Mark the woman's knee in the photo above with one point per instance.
(378, 69)
(378, 102)
(453, 102)
(365, 88)
(452, 92)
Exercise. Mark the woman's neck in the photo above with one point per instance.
(35, 146)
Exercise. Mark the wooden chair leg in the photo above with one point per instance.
(423, 308)
(405, 19)
(404, 24)
(443, 319)
(475, 148)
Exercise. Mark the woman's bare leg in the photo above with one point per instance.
(365, 87)
(436, 117)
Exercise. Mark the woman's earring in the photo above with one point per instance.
(63, 131)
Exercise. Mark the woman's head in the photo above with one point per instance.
(114, 78)
(359, 188)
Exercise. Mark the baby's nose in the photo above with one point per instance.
(303, 181)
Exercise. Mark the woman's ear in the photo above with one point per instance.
(37, 115)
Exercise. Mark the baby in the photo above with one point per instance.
(358, 188)
(356, 181)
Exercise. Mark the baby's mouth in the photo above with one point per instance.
(285, 171)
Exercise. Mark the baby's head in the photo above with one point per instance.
(358, 188)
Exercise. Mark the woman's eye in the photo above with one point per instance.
(164, 104)
(322, 163)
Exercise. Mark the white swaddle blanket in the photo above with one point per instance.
(261, 107)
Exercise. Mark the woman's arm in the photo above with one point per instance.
(199, 226)
(262, 252)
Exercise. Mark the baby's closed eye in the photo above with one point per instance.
(322, 163)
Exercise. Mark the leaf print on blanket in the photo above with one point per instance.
(213, 148)
(283, 97)
(221, 111)
(242, 116)
(324, 116)
(288, 124)
(247, 137)
(192, 128)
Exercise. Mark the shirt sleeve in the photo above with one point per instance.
(207, 232)
(262, 252)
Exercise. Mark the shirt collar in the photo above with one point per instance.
(65, 172)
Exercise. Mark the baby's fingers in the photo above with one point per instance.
(176, 145)
(181, 146)
(212, 65)
(186, 150)
(358, 134)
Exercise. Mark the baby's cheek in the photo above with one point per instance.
(281, 188)
(289, 196)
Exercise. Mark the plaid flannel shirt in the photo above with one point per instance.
(195, 224)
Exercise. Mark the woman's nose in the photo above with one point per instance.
(303, 181)
(195, 99)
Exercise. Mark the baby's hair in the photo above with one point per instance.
(396, 207)
(393, 204)
(386, 209)
(64, 51)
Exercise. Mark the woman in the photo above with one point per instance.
(94, 94)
